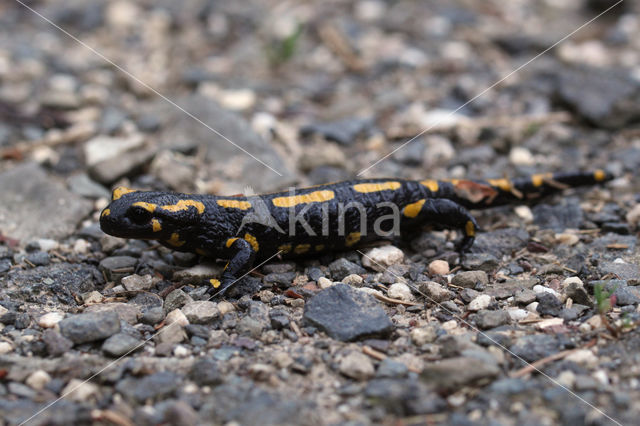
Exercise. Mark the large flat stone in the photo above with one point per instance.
(34, 205)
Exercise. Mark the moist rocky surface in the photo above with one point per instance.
(121, 330)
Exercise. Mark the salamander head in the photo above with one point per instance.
(149, 215)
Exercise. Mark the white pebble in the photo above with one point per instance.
(181, 351)
(633, 215)
(601, 376)
(567, 238)
(400, 291)
(176, 316)
(524, 213)
(532, 307)
(380, 258)
(521, 156)
(81, 246)
(225, 307)
(567, 378)
(423, 335)
(542, 289)
(324, 283)
(5, 347)
(79, 390)
(480, 302)
(38, 379)
(584, 357)
(353, 279)
(438, 267)
(357, 366)
(517, 314)
(571, 280)
(51, 319)
(47, 244)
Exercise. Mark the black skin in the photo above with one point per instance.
(250, 229)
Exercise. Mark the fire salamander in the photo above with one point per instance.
(246, 229)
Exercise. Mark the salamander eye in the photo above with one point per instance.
(139, 215)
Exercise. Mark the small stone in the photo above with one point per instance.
(567, 378)
(486, 319)
(400, 291)
(356, 365)
(112, 266)
(181, 351)
(176, 299)
(171, 334)
(548, 304)
(201, 312)
(517, 314)
(38, 380)
(205, 372)
(137, 283)
(481, 302)
(392, 369)
(423, 335)
(353, 279)
(469, 279)
(524, 213)
(347, 314)
(340, 268)
(324, 283)
(583, 357)
(633, 215)
(567, 238)
(524, 296)
(438, 267)
(80, 390)
(176, 316)
(92, 297)
(380, 258)
(51, 319)
(453, 373)
(120, 344)
(520, 156)
(532, 307)
(5, 347)
(536, 346)
(539, 289)
(90, 327)
(576, 291)
(435, 291)
(56, 343)
(128, 312)
(225, 307)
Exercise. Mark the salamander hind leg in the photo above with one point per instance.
(443, 212)
(238, 266)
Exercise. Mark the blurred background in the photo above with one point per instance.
(316, 90)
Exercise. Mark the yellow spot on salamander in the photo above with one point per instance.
(150, 207)
(234, 204)
(175, 240)
(352, 239)
(470, 229)
(503, 184)
(184, 205)
(285, 248)
(376, 187)
(320, 247)
(599, 175)
(215, 283)
(155, 225)
(431, 184)
(120, 191)
(312, 197)
(230, 241)
(105, 212)
(252, 240)
(538, 180)
(413, 209)
(302, 248)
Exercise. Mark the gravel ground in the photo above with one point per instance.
(318, 91)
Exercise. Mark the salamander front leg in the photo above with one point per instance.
(444, 212)
(240, 263)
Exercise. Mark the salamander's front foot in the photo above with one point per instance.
(464, 245)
